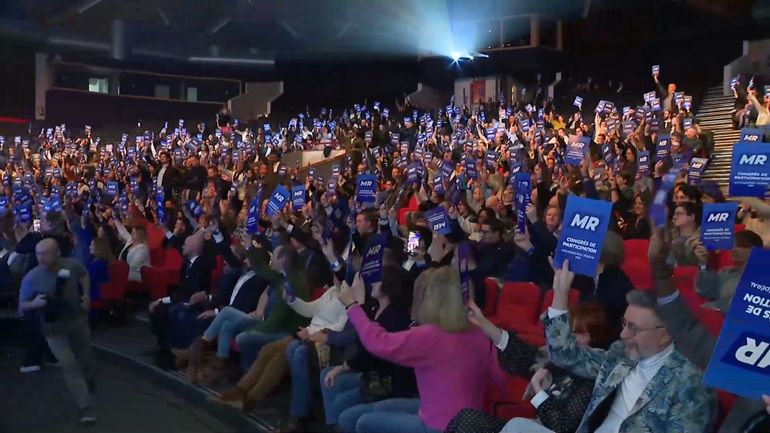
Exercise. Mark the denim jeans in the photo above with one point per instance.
(226, 325)
(395, 415)
(297, 353)
(343, 395)
(250, 343)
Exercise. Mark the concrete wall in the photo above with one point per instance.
(256, 100)
(754, 61)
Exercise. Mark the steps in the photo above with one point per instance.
(714, 115)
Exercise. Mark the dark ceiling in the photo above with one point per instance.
(176, 30)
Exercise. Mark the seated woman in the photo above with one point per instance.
(453, 361)
(638, 226)
(98, 267)
(559, 397)
(341, 386)
(136, 251)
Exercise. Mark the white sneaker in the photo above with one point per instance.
(29, 368)
(87, 417)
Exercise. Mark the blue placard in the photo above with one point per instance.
(695, 172)
(522, 184)
(367, 187)
(663, 147)
(582, 236)
(371, 263)
(252, 219)
(298, 196)
(277, 201)
(740, 359)
(718, 225)
(412, 174)
(470, 168)
(576, 152)
(752, 135)
(438, 220)
(750, 172)
(491, 158)
(112, 188)
(643, 157)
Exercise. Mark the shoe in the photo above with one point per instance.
(233, 397)
(87, 417)
(29, 368)
(181, 358)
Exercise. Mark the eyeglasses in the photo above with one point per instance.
(634, 330)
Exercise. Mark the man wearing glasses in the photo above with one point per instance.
(642, 382)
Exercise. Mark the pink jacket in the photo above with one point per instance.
(453, 370)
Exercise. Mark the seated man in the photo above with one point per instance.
(238, 292)
(642, 382)
(195, 279)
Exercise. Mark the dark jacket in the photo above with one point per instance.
(610, 292)
(248, 296)
(195, 277)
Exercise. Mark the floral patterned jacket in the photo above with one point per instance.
(675, 400)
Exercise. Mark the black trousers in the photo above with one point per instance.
(159, 323)
(35, 344)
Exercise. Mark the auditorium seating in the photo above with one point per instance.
(113, 291)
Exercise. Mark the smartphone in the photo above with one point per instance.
(412, 243)
(36, 225)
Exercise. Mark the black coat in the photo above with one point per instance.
(248, 296)
(609, 293)
(193, 278)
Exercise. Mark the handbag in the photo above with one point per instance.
(374, 386)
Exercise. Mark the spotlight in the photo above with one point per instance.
(456, 56)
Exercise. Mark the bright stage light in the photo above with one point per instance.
(456, 56)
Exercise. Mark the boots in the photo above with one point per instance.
(181, 357)
(215, 370)
(198, 352)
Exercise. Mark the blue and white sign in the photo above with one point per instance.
(112, 188)
(367, 187)
(578, 102)
(644, 163)
(298, 197)
(752, 135)
(582, 236)
(695, 172)
(277, 201)
(438, 220)
(252, 219)
(470, 168)
(750, 172)
(739, 363)
(663, 147)
(371, 263)
(718, 225)
(576, 152)
(464, 254)
(522, 185)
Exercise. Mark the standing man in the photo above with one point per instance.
(56, 291)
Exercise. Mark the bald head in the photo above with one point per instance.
(193, 245)
(47, 252)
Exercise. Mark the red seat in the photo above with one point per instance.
(639, 272)
(506, 403)
(724, 259)
(518, 304)
(157, 256)
(114, 290)
(536, 329)
(711, 319)
(636, 249)
(493, 292)
(740, 227)
(684, 278)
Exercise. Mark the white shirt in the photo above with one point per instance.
(160, 175)
(241, 281)
(631, 389)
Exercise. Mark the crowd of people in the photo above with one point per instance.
(397, 341)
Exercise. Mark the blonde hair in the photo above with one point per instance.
(420, 284)
(441, 302)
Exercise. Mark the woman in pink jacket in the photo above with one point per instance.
(453, 361)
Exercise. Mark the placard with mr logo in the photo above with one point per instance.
(718, 225)
(740, 362)
(582, 235)
(750, 171)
